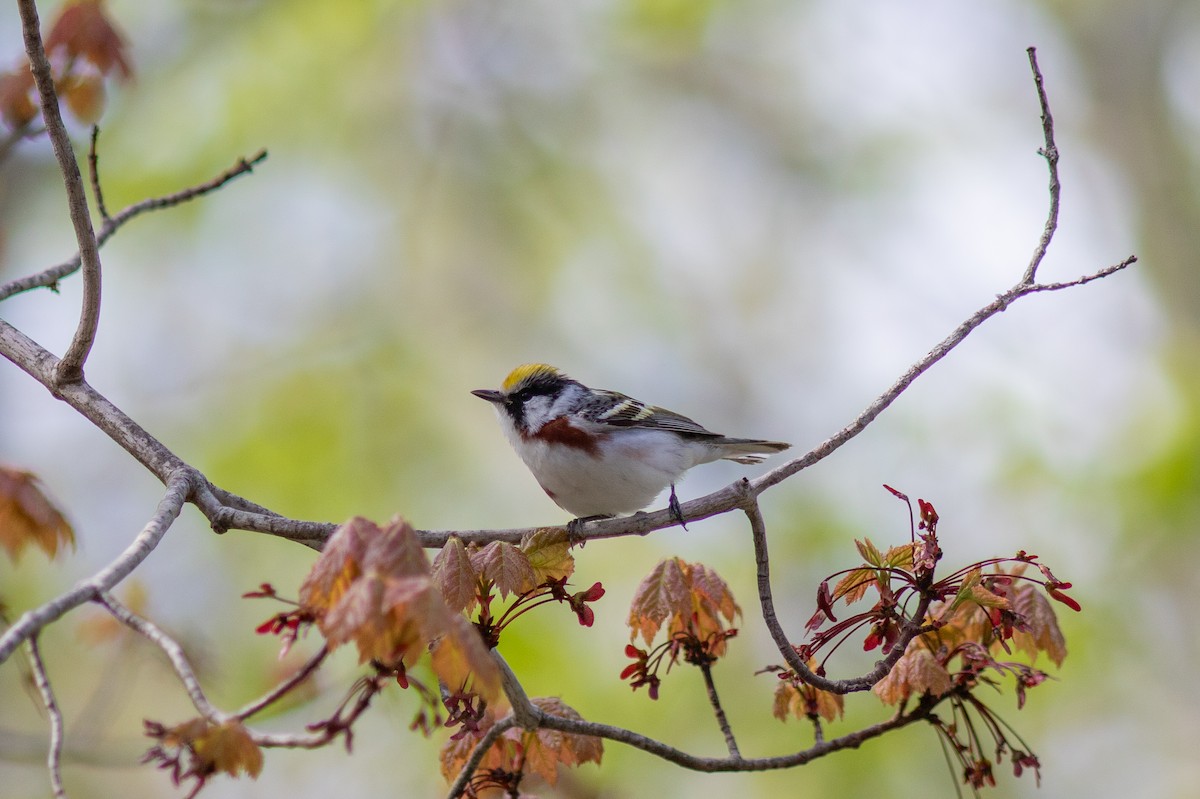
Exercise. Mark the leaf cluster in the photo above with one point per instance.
(517, 753)
(84, 47)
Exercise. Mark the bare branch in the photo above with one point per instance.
(481, 749)
(49, 278)
(910, 628)
(42, 681)
(718, 711)
(272, 696)
(31, 622)
(70, 368)
(920, 712)
(1050, 152)
(94, 172)
(173, 651)
(1082, 280)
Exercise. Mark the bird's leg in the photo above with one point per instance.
(673, 506)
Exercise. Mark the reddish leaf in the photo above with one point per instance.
(662, 594)
(506, 566)
(455, 576)
(17, 97)
(573, 749)
(228, 748)
(1042, 633)
(461, 659)
(917, 672)
(854, 585)
(84, 31)
(374, 588)
(84, 96)
(804, 701)
(27, 516)
(539, 752)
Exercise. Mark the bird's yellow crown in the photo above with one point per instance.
(526, 372)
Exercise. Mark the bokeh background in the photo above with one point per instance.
(756, 213)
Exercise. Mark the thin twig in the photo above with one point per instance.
(191, 683)
(1049, 151)
(49, 278)
(42, 680)
(172, 649)
(94, 172)
(718, 711)
(910, 628)
(478, 753)
(31, 622)
(70, 368)
(818, 730)
(272, 696)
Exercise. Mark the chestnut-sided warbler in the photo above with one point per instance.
(600, 453)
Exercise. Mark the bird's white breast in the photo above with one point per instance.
(627, 469)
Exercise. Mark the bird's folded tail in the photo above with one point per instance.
(749, 450)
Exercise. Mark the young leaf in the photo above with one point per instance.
(900, 557)
(457, 751)
(711, 589)
(1043, 634)
(662, 594)
(869, 553)
(84, 31)
(801, 701)
(549, 553)
(506, 566)
(27, 516)
(854, 585)
(917, 672)
(17, 106)
(375, 588)
(455, 575)
(984, 597)
(459, 655)
(573, 749)
(228, 747)
(340, 563)
(539, 752)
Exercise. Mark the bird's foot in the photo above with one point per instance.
(575, 529)
(676, 511)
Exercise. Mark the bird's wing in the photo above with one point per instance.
(617, 410)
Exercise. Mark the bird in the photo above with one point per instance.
(599, 453)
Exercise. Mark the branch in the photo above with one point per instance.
(478, 753)
(49, 278)
(31, 622)
(172, 649)
(223, 509)
(920, 712)
(42, 680)
(718, 711)
(912, 626)
(70, 368)
(191, 683)
(272, 696)
(94, 173)
(1050, 152)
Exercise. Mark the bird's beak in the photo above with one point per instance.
(489, 394)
